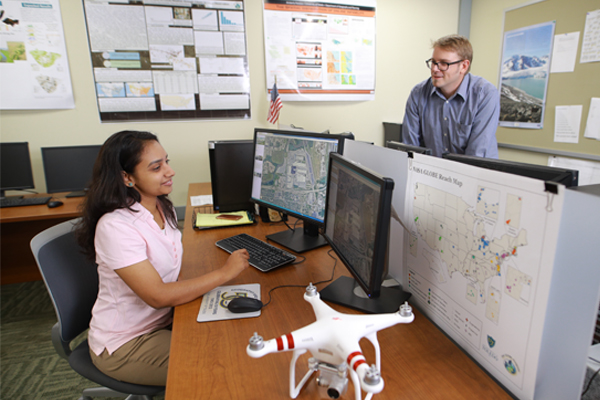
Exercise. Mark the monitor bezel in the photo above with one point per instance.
(31, 183)
(408, 148)
(379, 260)
(565, 176)
(340, 137)
(45, 165)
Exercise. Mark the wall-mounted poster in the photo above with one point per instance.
(320, 50)
(524, 75)
(158, 60)
(34, 68)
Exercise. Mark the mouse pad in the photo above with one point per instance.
(214, 303)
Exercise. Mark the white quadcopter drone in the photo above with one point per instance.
(333, 342)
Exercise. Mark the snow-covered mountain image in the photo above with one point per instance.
(518, 106)
(521, 76)
(522, 66)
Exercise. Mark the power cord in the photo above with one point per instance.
(304, 286)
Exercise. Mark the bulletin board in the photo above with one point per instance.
(565, 88)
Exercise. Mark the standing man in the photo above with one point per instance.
(454, 111)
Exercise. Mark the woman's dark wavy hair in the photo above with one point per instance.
(121, 152)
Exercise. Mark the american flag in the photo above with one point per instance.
(274, 105)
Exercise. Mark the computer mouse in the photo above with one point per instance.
(244, 305)
(55, 203)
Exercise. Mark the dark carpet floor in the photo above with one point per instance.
(30, 367)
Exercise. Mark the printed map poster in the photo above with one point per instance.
(167, 60)
(524, 75)
(34, 68)
(480, 259)
(320, 50)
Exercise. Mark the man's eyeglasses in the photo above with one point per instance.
(442, 66)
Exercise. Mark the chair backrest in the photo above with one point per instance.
(71, 278)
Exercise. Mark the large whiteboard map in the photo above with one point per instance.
(478, 261)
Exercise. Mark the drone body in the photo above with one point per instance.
(333, 341)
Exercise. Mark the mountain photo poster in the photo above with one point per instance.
(524, 75)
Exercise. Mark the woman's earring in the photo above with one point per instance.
(130, 184)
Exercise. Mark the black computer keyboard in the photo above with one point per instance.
(23, 201)
(263, 256)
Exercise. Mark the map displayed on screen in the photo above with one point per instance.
(294, 173)
(356, 221)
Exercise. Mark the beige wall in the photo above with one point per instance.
(405, 29)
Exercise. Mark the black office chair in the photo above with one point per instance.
(72, 281)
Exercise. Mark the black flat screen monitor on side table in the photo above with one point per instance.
(290, 176)
(408, 148)
(69, 168)
(567, 177)
(357, 226)
(15, 167)
(231, 163)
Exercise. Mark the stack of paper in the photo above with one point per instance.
(206, 221)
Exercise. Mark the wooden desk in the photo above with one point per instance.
(209, 360)
(18, 226)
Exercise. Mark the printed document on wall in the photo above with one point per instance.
(320, 51)
(34, 68)
(590, 48)
(169, 60)
(480, 261)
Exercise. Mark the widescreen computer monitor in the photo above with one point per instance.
(290, 176)
(231, 163)
(357, 226)
(567, 177)
(69, 168)
(408, 148)
(15, 167)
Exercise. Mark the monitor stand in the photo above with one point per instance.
(299, 240)
(4, 196)
(343, 291)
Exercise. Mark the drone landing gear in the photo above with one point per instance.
(332, 379)
(295, 390)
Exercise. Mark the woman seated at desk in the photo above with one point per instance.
(129, 227)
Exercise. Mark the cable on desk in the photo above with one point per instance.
(299, 262)
(304, 286)
(286, 224)
(590, 382)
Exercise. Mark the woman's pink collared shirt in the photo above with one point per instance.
(124, 238)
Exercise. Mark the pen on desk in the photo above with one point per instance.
(231, 217)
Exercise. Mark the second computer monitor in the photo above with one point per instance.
(231, 163)
(565, 176)
(407, 147)
(69, 168)
(357, 226)
(15, 167)
(290, 176)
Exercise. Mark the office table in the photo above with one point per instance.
(209, 361)
(19, 225)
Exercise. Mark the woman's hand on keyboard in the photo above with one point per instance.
(237, 262)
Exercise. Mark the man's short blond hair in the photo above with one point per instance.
(457, 43)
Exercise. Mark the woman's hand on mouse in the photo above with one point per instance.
(237, 262)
